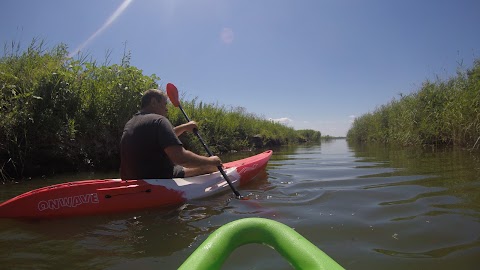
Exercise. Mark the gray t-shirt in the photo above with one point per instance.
(144, 139)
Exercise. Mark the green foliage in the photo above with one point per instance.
(308, 135)
(233, 129)
(61, 114)
(440, 113)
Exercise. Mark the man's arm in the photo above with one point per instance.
(190, 126)
(180, 156)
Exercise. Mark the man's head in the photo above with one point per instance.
(154, 101)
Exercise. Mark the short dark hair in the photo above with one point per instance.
(149, 94)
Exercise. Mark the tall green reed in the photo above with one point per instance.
(61, 114)
(439, 113)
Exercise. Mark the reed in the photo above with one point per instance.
(234, 129)
(62, 114)
(444, 112)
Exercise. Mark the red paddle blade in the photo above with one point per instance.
(172, 93)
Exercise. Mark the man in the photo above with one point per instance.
(150, 148)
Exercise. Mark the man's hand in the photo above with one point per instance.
(180, 156)
(216, 161)
(190, 126)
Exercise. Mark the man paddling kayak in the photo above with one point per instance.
(150, 147)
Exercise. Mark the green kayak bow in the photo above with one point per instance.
(295, 248)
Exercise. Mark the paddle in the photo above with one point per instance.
(172, 93)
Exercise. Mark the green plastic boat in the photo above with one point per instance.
(295, 248)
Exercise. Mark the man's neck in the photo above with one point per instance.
(146, 111)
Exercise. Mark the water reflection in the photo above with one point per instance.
(433, 202)
(97, 242)
(434, 253)
(456, 170)
(368, 207)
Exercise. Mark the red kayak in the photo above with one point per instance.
(91, 197)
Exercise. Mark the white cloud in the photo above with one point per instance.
(227, 35)
(352, 118)
(283, 120)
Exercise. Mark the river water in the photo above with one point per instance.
(366, 207)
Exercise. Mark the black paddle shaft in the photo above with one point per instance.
(195, 131)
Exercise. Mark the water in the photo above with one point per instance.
(366, 207)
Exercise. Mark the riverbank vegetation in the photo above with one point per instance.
(444, 112)
(59, 114)
(234, 129)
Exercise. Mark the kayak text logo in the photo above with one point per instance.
(72, 201)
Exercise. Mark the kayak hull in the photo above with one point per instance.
(92, 197)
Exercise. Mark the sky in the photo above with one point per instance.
(310, 64)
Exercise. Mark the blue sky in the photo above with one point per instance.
(314, 64)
